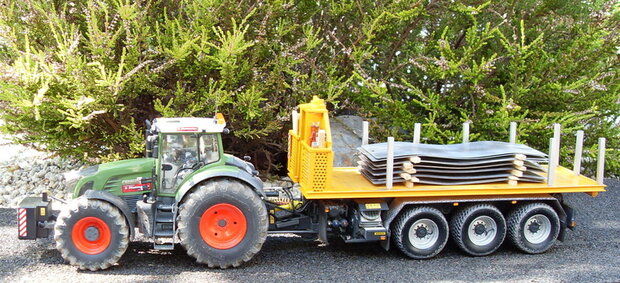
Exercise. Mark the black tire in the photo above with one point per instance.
(227, 194)
(478, 230)
(533, 228)
(420, 232)
(93, 221)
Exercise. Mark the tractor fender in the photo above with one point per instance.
(254, 182)
(115, 201)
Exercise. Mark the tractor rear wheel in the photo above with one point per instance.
(91, 234)
(222, 223)
(421, 232)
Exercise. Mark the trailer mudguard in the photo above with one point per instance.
(227, 172)
(118, 203)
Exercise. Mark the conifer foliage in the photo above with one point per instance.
(79, 77)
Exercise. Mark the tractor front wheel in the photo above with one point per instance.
(222, 223)
(91, 234)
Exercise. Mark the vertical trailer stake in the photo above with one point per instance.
(295, 122)
(557, 132)
(600, 164)
(364, 132)
(416, 133)
(390, 163)
(513, 132)
(552, 157)
(578, 152)
(465, 132)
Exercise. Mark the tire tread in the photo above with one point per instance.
(403, 219)
(515, 231)
(62, 233)
(228, 187)
(459, 219)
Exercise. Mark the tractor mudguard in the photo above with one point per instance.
(117, 202)
(230, 172)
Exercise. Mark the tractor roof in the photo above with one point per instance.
(191, 125)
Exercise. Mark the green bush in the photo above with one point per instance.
(79, 77)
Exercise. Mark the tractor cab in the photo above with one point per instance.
(183, 145)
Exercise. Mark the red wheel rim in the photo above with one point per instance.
(91, 235)
(223, 226)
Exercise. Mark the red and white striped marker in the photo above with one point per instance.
(22, 223)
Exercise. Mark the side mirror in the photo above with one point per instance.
(166, 167)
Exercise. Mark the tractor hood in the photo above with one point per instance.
(128, 166)
(109, 176)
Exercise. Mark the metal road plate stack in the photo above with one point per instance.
(453, 164)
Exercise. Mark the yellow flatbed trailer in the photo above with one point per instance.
(347, 183)
(418, 218)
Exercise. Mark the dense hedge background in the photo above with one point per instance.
(79, 77)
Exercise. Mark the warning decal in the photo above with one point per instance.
(136, 188)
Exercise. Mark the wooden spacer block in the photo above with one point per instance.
(409, 170)
(409, 185)
(518, 162)
(520, 156)
(405, 176)
(415, 159)
(512, 183)
(521, 168)
(407, 165)
(414, 179)
(517, 173)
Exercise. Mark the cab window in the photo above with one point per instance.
(186, 153)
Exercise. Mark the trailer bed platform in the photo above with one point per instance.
(348, 183)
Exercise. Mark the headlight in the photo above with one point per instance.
(89, 171)
(72, 177)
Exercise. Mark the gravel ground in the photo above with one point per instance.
(591, 253)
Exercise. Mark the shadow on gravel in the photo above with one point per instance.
(278, 252)
(8, 217)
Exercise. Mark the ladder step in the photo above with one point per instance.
(165, 247)
(164, 233)
(164, 207)
(164, 218)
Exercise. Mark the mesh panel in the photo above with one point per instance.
(315, 168)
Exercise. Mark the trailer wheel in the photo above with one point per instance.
(533, 228)
(478, 230)
(91, 234)
(421, 232)
(222, 223)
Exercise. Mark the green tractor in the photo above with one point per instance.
(186, 190)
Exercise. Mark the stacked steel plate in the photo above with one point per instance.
(453, 164)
